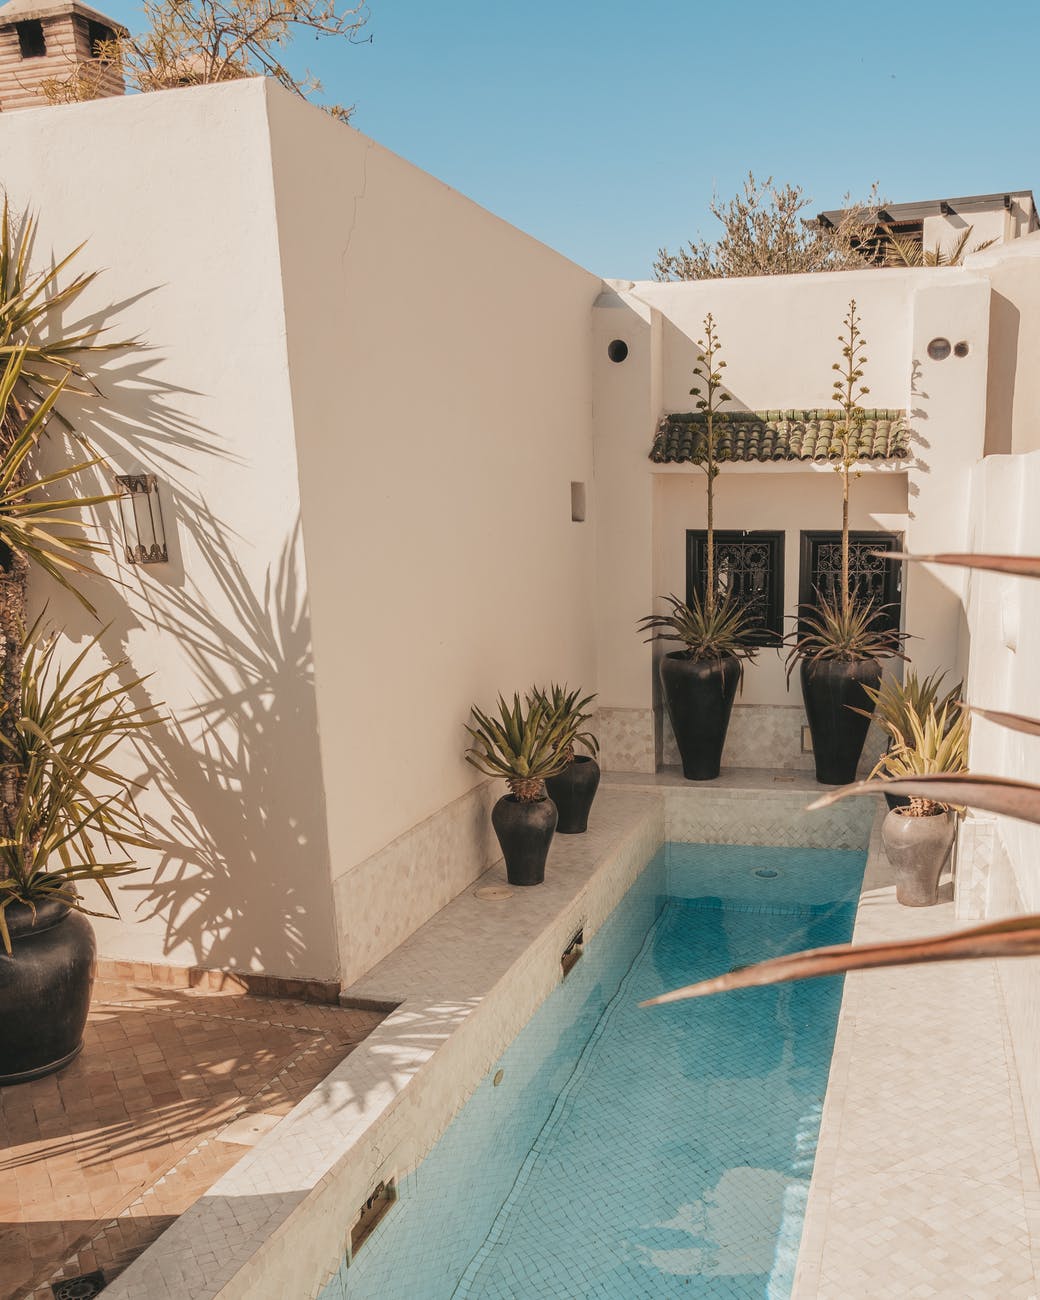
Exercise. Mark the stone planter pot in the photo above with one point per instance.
(525, 831)
(918, 848)
(45, 987)
(698, 694)
(831, 689)
(573, 791)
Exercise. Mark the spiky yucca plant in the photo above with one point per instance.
(73, 813)
(897, 702)
(707, 633)
(523, 744)
(569, 708)
(936, 742)
(848, 631)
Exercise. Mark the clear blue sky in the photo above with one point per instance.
(603, 127)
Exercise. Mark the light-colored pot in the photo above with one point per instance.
(918, 848)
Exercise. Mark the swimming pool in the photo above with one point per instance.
(619, 1152)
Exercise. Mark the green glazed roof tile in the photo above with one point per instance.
(767, 436)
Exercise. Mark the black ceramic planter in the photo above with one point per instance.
(524, 831)
(573, 792)
(698, 694)
(45, 990)
(831, 689)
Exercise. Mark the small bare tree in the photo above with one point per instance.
(195, 42)
(766, 233)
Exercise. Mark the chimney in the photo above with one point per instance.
(41, 40)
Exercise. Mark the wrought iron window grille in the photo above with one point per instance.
(870, 576)
(748, 566)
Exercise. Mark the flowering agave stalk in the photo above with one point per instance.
(523, 745)
(1017, 936)
(849, 389)
(709, 399)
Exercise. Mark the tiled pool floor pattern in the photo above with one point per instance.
(98, 1160)
(632, 1153)
(676, 1161)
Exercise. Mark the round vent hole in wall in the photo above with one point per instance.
(939, 349)
(617, 350)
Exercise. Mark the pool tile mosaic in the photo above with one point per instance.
(631, 1153)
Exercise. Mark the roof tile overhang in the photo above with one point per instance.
(773, 436)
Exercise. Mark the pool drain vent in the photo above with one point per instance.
(491, 893)
(766, 873)
(370, 1214)
(569, 956)
(83, 1287)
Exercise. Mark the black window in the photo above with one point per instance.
(30, 39)
(750, 567)
(870, 576)
(97, 32)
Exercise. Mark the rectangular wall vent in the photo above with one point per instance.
(372, 1213)
(570, 954)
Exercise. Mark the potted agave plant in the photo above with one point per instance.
(700, 681)
(841, 640)
(68, 816)
(573, 789)
(919, 835)
(525, 745)
(897, 702)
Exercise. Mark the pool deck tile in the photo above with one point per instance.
(925, 1182)
(100, 1159)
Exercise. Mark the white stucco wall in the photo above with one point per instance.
(334, 336)
(442, 403)
(1013, 272)
(174, 194)
(788, 502)
(1004, 617)
(779, 337)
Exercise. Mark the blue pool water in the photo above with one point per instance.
(641, 1153)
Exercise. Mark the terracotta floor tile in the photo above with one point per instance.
(163, 1070)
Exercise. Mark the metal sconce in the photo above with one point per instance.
(144, 536)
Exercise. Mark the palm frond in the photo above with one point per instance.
(74, 808)
(1017, 937)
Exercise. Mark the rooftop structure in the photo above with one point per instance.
(939, 223)
(781, 436)
(45, 40)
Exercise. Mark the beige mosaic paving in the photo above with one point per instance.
(924, 1183)
(276, 1225)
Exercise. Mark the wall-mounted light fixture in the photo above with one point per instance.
(144, 536)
